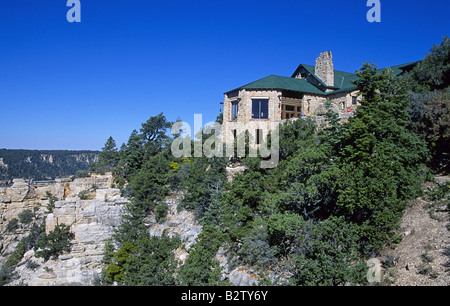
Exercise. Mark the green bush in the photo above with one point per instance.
(56, 242)
(83, 195)
(329, 255)
(51, 201)
(82, 173)
(26, 216)
(201, 268)
(151, 262)
(256, 250)
(12, 225)
(114, 271)
(161, 210)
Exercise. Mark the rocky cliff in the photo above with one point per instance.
(92, 208)
(90, 220)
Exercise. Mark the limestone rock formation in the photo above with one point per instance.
(181, 223)
(91, 221)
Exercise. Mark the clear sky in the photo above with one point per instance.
(72, 85)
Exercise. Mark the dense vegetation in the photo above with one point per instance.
(44, 165)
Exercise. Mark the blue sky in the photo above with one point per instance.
(72, 85)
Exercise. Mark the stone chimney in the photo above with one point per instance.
(324, 68)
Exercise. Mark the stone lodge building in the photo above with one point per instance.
(258, 105)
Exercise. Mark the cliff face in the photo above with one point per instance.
(91, 220)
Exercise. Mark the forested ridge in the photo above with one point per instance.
(43, 164)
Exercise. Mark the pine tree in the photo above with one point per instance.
(380, 158)
(108, 157)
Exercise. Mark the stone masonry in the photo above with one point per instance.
(324, 68)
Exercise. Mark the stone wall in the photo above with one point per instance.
(344, 101)
(311, 102)
(91, 221)
(244, 120)
(312, 105)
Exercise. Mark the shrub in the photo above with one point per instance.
(117, 261)
(152, 262)
(256, 251)
(55, 243)
(161, 211)
(82, 173)
(51, 201)
(26, 216)
(329, 255)
(12, 225)
(83, 195)
(201, 268)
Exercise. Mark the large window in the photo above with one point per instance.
(260, 108)
(234, 110)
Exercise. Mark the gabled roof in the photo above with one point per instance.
(343, 81)
(282, 83)
(312, 71)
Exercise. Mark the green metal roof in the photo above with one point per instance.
(343, 81)
(283, 83)
(399, 69)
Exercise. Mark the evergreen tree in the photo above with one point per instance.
(433, 72)
(154, 134)
(429, 108)
(380, 158)
(108, 157)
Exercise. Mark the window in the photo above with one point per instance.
(260, 108)
(258, 136)
(290, 111)
(290, 108)
(354, 100)
(234, 133)
(234, 110)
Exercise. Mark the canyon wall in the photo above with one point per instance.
(92, 208)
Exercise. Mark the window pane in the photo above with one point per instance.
(264, 109)
(260, 109)
(255, 109)
(234, 110)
